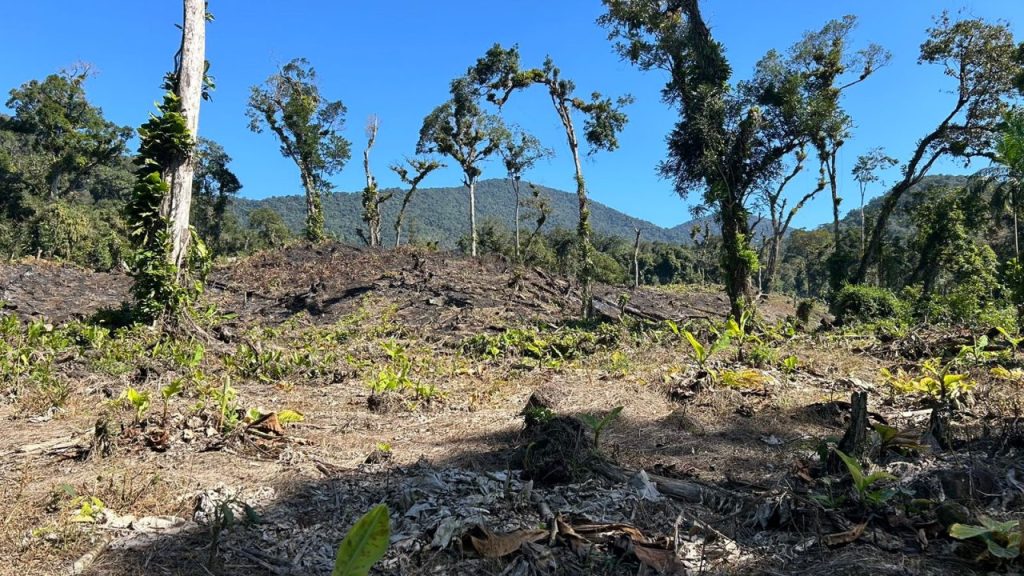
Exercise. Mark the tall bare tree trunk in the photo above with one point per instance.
(190, 91)
(515, 189)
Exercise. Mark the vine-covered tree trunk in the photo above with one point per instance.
(314, 209)
(736, 253)
(190, 91)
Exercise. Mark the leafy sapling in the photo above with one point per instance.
(599, 424)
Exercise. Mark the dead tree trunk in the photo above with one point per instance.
(190, 90)
(854, 440)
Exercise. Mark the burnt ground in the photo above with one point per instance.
(737, 484)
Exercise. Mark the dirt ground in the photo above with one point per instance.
(731, 479)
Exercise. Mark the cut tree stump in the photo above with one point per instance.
(854, 440)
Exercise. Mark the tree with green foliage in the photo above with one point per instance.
(269, 228)
(308, 127)
(372, 197)
(985, 63)
(730, 140)
(461, 129)
(214, 186)
(69, 135)
(865, 172)
(519, 152)
(499, 74)
(418, 169)
(158, 211)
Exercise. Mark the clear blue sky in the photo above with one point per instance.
(395, 59)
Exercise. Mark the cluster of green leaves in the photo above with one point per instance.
(28, 353)
(1004, 541)
(394, 376)
(549, 347)
(934, 382)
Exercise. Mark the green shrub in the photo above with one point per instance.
(859, 303)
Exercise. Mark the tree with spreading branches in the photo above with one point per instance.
(308, 127)
(498, 74)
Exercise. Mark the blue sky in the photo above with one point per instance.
(395, 59)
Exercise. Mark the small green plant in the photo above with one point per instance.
(166, 393)
(891, 439)
(863, 483)
(365, 543)
(1013, 341)
(89, 509)
(762, 355)
(139, 401)
(935, 382)
(790, 364)
(1004, 540)
(598, 424)
(738, 330)
(701, 353)
(975, 352)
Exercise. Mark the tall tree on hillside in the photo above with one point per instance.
(780, 218)
(865, 172)
(520, 152)
(461, 129)
(214, 186)
(189, 82)
(730, 140)
(308, 126)
(986, 64)
(372, 197)
(158, 211)
(418, 169)
(499, 73)
(69, 135)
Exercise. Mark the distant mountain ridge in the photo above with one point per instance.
(442, 214)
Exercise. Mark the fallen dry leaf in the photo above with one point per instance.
(840, 538)
(664, 561)
(491, 545)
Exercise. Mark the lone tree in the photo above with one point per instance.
(498, 73)
(411, 176)
(808, 83)
(986, 65)
(372, 197)
(461, 129)
(729, 140)
(520, 152)
(865, 172)
(308, 126)
(158, 211)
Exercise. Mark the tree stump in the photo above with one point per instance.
(854, 440)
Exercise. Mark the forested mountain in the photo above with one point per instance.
(441, 214)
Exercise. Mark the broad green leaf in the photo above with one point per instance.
(1001, 552)
(856, 472)
(364, 544)
(289, 417)
(698, 348)
(967, 531)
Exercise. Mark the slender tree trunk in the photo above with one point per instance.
(371, 204)
(1016, 233)
(636, 259)
(471, 183)
(515, 189)
(583, 237)
(863, 226)
(190, 91)
(774, 256)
